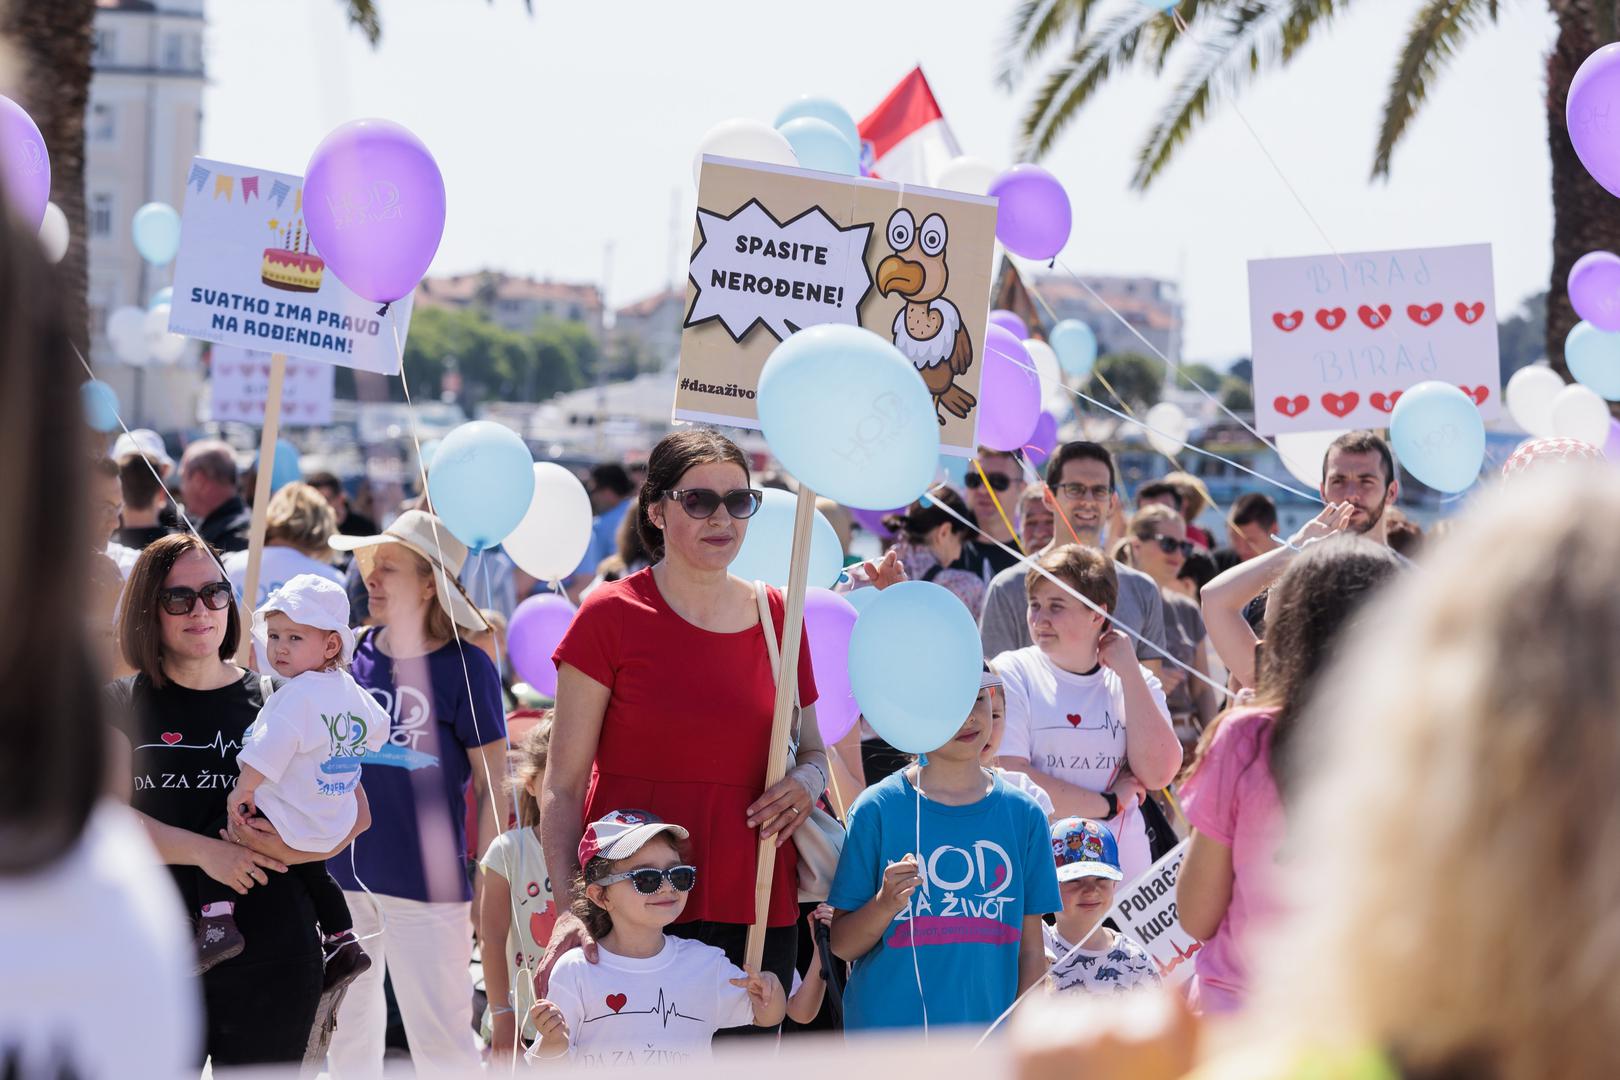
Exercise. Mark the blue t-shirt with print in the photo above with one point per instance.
(986, 866)
(417, 783)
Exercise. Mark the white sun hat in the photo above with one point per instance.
(426, 535)
(309, 600)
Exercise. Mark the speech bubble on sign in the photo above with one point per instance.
(750, 268)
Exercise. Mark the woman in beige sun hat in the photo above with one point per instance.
(448, 732)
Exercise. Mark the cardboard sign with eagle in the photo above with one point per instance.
(777, 249)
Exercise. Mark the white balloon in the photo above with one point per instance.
(1530, 393)
(553, 536)
(1054, 397)
(161, 345)
(1579, 413)
(53, 233)
(126, 331)
(966, 174)
(1302, 453)
(1167, 428)
(750, 140)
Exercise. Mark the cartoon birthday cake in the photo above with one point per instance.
(287, 267)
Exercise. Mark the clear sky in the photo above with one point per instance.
(566, 131)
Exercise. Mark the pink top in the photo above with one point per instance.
(1231, 797)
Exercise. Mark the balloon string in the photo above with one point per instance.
(985, 480)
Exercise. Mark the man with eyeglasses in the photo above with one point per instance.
(1002, 482)
(1080, 483)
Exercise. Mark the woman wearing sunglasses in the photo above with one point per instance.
(1156, 543)
(185, 712)
(664, 701)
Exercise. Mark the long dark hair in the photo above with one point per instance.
(53, 768)
(674, 454)
(928, 513)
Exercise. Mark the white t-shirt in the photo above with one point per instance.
(308, 740)
(516, 856)
(96, 954)
(277, 566)
(1024, 783)
(659, 1011)
(1073, 727)
(1122, 966)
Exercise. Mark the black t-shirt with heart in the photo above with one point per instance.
(184, 746)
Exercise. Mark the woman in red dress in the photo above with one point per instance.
(665, 695)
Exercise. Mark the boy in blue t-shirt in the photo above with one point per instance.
(940, 890)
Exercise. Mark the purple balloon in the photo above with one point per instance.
(1009, 322)
(1044, 440)
(1594, 289)
(374, 202)
(1592, 113)
(1611, 446)
(535, 631)
(872, 520)
(25, 163)
(829, 619)
(1033, 218)
(1009, 392)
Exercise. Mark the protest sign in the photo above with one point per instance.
(248, 276)
(1337, 339)
(1145, 911)
(239, 384)
(778, 249)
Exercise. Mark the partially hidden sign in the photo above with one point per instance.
(239, 386)
(1145, 911)
(1338, 338)
(247, 275)
(779, 249)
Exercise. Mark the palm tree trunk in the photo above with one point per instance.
(53, 41)
(1585, 217)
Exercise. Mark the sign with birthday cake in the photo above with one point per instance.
(247, 275)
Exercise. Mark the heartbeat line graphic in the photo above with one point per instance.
(1074, 722)
(220, 743)
(660, 1007)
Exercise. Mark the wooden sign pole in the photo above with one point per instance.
(782, 718)
(261, 501)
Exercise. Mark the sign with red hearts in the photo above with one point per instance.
(239, 386)
(1338, 338)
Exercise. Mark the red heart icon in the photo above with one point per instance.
(1424, 316)
(617, 1001)
(1373, 319)
(1384, 403)
(1330, 318)
(1470, 313)
(1074, 719)
(1291, 406)
(1477, 393)
(171, 737)
(1341, 404)
(1289, 321)
(540, 924)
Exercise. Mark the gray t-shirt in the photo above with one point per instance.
(1004, 625)
(1184, 631)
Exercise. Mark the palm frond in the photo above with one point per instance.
(1439, 28)
(1073, 82)
(1034, 25)
(1303, 17)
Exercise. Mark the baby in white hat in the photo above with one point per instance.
(300, 760)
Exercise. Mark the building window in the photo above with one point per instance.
(102, 119)
(174, 55)
(106, 44)
(101, 215)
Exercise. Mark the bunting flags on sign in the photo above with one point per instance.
(250, 186)
(198, 177)
(279, 191)
(224, 185)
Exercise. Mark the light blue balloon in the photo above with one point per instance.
(818, 145)
(100, 405)
(822, 108)
(481, 482)
(429, 448)
(156, 227)
(767, 547)
(860, 599)
(1593, 357)
(1075, 345)
(164, 295)
(847, 414)
(914, 664)
(953, 470)
(1438, 436)
(284, 468)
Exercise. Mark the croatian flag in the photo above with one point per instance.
(906, 138)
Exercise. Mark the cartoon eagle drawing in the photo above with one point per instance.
(928, 329)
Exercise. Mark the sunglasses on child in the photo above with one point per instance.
(215, 597)
(702, 503)
(1170, 545)
(998, 483)
(648, 881)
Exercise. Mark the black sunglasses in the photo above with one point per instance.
(703, 502)
(215, 597)
(1170, 545)
(998, 483)
(648, 881)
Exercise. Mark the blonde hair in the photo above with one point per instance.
(1144, 525)
(1455, 879)
(1195, 498)
(300, 517)
(437, 623)
(528, 762)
